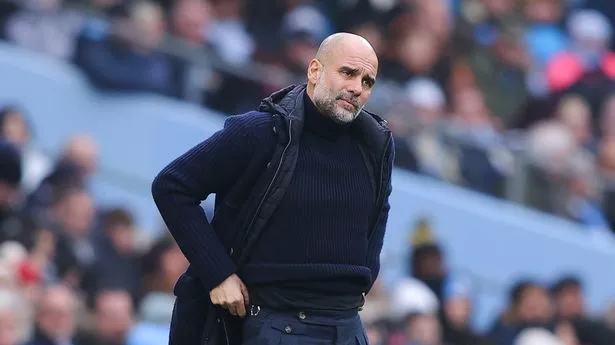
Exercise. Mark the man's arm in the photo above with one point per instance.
(374, 246)
(212, 166)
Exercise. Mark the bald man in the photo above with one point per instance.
(302, 187)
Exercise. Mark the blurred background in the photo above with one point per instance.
(503, 209)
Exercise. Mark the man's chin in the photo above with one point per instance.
(343, 116)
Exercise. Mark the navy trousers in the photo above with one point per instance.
(268, 327)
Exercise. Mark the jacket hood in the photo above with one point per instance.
(284, 101)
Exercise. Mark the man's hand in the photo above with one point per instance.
(232, 295)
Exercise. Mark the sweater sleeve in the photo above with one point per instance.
(210, 167)
(374, 246)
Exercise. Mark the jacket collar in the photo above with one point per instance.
(372, 130)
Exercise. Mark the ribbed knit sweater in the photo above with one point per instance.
(318, 234)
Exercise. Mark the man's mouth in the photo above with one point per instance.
(348, 103)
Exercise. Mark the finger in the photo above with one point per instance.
(231, 309)
(246, 295)
(241, 309)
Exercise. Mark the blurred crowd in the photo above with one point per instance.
(433, 306)
(72, 272)
(511, 98)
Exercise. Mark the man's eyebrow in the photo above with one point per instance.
(349, 69)
(356, 71)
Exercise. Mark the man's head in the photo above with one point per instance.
(568, 296)
(530, 303)
(13, 126)
(118, 225)
(57, 313)
(74, 209)
(148, 24)
(342, 75)
(114, 316)
(82, 150)
(191, 20)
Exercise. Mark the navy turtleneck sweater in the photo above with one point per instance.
(314, 251)
(316, 241)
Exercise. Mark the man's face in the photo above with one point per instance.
(570, 302)
(114, 316)
(535, 306)
(345, 83)
(15, 129)
(56, 317)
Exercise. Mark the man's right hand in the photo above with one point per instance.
(232, 295)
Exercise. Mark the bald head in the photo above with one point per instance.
(342, 75)
(82, 150)
(342, 41)
(57, 309)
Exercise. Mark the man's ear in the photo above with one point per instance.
(314, 70)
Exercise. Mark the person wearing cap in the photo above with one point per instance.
(302, 189)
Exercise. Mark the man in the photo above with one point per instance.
(304, 182)
(56, 319)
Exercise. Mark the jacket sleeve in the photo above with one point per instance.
(374, 246)
(210, 167)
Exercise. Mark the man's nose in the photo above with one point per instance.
(355, 87)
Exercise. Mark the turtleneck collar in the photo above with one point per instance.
(321, 125)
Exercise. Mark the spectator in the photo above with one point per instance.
(606, 124)
(429, 267)
(191, 21)
(478, 142)
(568, 295)
(162, 266)
(529, 307)
(228, 35)
(56, 319)
(46, 27)
(416, 122)
(72, 215)
(116, 263)
(500, 70)
(15, 129)
(455, 316)
(76, 164)
(113, 316)
(13, 320)
(574, 112)
(587, 68)
(126, 60)
(415, 53)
